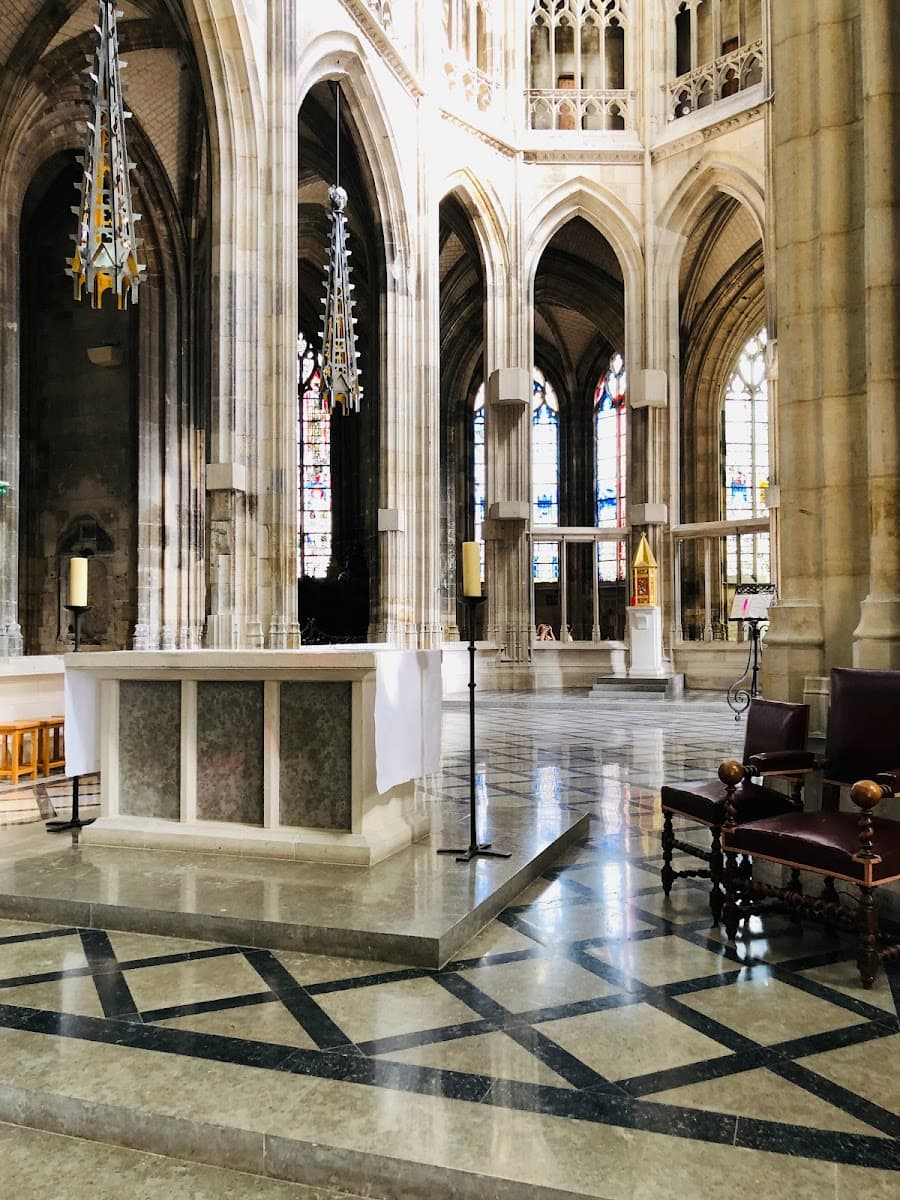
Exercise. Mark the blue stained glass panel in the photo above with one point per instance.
(746, 435)
(610, 447)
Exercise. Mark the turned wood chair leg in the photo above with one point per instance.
(795, 888)
(667, 874)
(830, 896)
(730, 913)
(867, 958)
(716, 875)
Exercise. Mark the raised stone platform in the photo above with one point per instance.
(668, 687)
(417, 907)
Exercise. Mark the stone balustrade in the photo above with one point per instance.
(724, 76)
(581, 108)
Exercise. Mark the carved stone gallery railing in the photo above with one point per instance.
(733, 72)
(710, 559)
(582, 109)
(475, 86)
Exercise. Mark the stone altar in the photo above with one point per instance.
(308, 754)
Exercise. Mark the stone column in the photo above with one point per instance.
(10, 338)
(877, 637)
(426, 461)
(238, 281)
(280, 401)
(817, 146)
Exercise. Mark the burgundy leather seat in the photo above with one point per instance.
(823, 842)
(859, 848)
(774, 745)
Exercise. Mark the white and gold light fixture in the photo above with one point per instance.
(106, 249)
(340, 373)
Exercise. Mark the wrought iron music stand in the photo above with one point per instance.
(475, 849)
(751, 605)
(739, 697)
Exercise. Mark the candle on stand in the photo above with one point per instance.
(78, 571)
(471, 565)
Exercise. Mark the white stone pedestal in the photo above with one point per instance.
(644, 636)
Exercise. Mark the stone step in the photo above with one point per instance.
(669, 688)
(38, 1164)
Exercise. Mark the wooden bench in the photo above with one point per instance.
(15, 738)
(52, 752)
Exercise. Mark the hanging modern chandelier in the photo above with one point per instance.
(340, 372)
(106, 255)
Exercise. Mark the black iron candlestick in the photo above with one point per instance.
(77, 611)
(74, 822)
(475, 849)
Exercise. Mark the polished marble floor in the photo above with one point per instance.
(595, 1040)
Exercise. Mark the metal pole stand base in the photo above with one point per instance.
(75, 822)
(483, 850)
(475, 849)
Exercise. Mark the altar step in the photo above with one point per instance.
(608, 686)
(417, 907)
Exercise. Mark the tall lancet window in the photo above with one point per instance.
(314, 467)
(545, 474)
(746, 418)
(610, 448)
(745, 437)
(479, 471)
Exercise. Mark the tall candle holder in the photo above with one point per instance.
(475, 849)
(74, 822)
(77, 611)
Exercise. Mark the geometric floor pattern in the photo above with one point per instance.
(590, 998)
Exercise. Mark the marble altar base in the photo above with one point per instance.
(417, 908)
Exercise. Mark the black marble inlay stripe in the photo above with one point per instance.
(466, 991)
(851, 1148)
(607, 1108)
(428, 1037)
(566, 1065)
(207, 1006)
(46, 977)
(823, 992)
(698, 1072)
(892, 971)
(526, 954)
(841, 1097)
(115, 994)
(183, 956)
(835, 1039)
(36, 937)
(359, 981)
(302, 1007)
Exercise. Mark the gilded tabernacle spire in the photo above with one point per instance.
(105, 257)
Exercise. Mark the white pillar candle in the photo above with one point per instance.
(78, 582)
(471, 564)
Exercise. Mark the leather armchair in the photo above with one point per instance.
(774, 746)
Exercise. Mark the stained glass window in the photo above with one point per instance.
(314, 467)
(610, 443)
(479, 473)
(746, 461)
(544, 473)
(747, 433)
